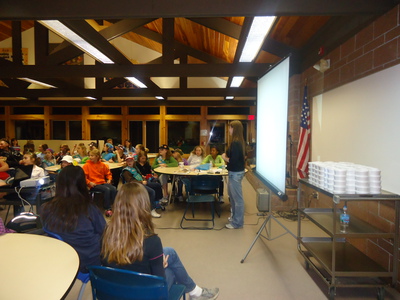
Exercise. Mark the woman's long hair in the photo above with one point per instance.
(130, 224)
(71, 200)
(237, 134)
(203, 152)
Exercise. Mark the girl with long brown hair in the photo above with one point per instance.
(129, 242)
(235, 158)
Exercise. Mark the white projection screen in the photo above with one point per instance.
(272, 113)
(360, 122)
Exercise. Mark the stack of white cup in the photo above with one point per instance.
(345, 177)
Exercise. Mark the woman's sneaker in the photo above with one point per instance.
(164, 201)
(154, 214)
(207, 294)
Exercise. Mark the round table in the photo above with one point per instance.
(36, 267)
(187, 171)
(110, 165)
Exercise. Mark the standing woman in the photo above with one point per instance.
(235, 156)
(72, 216)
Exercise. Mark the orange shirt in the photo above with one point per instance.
(97, 173)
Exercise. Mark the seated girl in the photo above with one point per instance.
(131, 174)
(129, 242)
(216, 161)
(73, 216)
(164, 159)
(196, 156)
(32, 159)
(99, 178)
(108, 154)
(81, 154)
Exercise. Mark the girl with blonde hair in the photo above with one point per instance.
(196, 156)
(130, 243)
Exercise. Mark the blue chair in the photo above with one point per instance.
(200, 189)
(84, 277)
(117, 284)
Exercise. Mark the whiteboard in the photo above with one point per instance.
(360, 122)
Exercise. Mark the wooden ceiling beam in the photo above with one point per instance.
(98, 93)
(242, 41)
(221, 25)
(93, 37)
(102, 103)
(203, 56)
(122, 27)
(104, 9)
(10, 70)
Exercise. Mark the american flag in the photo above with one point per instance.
(303, 148)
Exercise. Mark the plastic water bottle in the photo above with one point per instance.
(344, 220)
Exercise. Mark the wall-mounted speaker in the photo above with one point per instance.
(263, 200)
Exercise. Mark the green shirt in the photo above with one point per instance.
(217, 162)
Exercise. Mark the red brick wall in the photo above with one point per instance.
(373, 49)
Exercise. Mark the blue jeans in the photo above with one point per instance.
(176, 272)
(236, 198)
(109, 192)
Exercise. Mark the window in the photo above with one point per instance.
(105, 110)
(2, 128)
(185, 135)
(75, 130)
(102, 130)
(66, 110)
(29, 130)
(217, 135)
(59, 130)
(183, 110)
(153, 136)
(136, 132)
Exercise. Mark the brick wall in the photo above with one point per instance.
(373, 49)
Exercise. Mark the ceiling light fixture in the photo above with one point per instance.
(63, 31)
(229, 97)
(69, 35)
(38, 82)
(136, 82)
(160, 98)
(237, 81)
(258, 32)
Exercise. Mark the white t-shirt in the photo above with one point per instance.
(37, 172)
(194, 159)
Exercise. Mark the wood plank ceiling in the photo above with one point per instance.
(188, 43)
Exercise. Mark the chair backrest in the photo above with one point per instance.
(117, 284)
(52, 234)
(205, 183)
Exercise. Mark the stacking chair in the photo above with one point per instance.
(117, 284)
(200, 189)
(84, 277)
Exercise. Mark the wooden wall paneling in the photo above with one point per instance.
(85, 123)
(204, 126)
(124, 124)
(163, 125)
(47, 124)
(10, 125)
